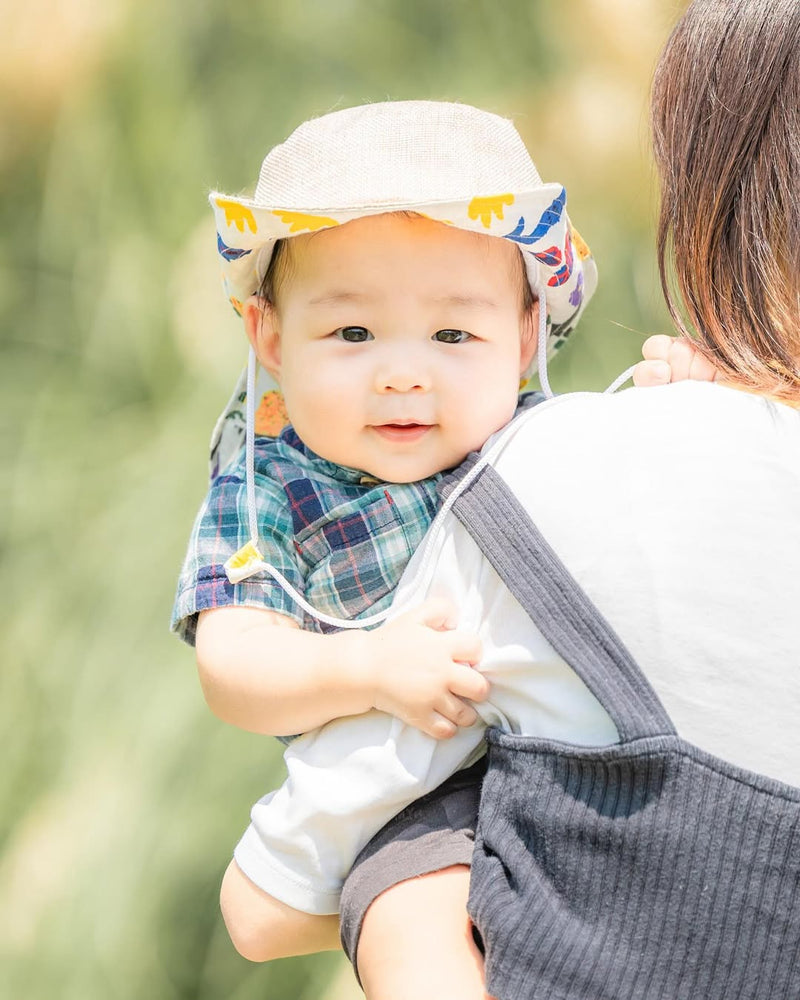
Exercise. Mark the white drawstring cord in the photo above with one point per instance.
(541, 347)
(250, 446)
(429, 543)
(256, 565)
(621, 379)
(544, 381)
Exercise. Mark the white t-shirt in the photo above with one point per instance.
(677, 509)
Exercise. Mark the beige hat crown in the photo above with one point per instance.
(454, 163)
(451, 162)
(382, 155)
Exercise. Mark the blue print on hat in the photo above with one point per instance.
(550, 217)
(230, 253)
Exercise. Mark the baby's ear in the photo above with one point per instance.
(261, 327)
(529, 336)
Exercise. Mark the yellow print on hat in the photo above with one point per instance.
(237, 215)
(580, 244)
(485, 208)
(299, 221)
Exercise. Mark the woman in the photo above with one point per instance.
(661, 865)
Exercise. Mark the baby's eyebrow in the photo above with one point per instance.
(468, 300)
(336, 297)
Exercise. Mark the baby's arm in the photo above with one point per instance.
(347, 778)
(261, 672)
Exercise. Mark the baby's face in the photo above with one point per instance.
(398, 343)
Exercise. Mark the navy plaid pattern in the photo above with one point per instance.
(340, 538)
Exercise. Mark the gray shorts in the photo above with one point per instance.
(434, 832)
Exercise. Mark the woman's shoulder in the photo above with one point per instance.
(698, 435)
(690, 410)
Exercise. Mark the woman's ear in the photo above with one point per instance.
(261, 327)
(529, 337)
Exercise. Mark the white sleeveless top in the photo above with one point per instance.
(677, 509)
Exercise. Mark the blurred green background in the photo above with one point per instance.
(121, 795)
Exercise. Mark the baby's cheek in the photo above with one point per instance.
(497, 408)
(307, 397)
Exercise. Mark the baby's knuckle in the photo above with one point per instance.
(441, 729)
(482, 688)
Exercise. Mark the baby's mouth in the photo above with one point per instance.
(402, 431)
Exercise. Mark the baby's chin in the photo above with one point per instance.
(400, 478)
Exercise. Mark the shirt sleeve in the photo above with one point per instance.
(220, 529)
(346, 780)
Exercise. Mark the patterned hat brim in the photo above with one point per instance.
(555, 257)
(537, 221)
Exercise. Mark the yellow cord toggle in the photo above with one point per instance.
(243, 563)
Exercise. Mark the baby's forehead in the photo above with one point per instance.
(461, 267)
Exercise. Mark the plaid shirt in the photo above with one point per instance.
(339, 538)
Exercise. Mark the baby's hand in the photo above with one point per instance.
(671, 359)
(420, 669)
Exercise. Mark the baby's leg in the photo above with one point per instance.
(416, 941)
(403, 912)
(262, 928)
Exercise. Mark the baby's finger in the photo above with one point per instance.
(649, 373)
(467, 682)
(701, 369)
(465, 647)
(456, 711)
(657, 347)
(437, 613)
(439, 728)
(681, 356)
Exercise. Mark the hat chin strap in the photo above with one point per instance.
(250, 445)
(249, 560)
(541, 344)
(541, 349)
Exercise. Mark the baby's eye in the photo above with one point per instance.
(353, 334)
(452, 336)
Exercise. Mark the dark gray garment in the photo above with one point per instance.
(434, 832)
(646, 870)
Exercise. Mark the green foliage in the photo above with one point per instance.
(121, 796)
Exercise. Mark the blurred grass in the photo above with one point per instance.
(120, 795)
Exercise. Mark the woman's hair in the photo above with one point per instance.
(726, 134)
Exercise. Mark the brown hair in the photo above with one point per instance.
(279, 264)
(726, 134)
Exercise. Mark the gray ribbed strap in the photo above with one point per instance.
(566, 617)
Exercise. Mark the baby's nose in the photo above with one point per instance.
(400, 383)
(401, 375)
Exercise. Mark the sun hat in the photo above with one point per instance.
(450, 162)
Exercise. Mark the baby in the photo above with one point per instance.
(394, 271)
